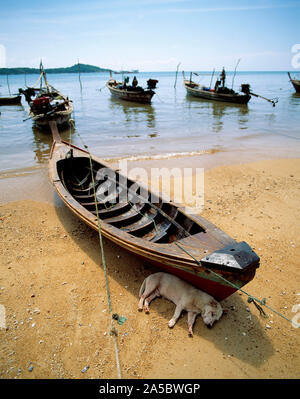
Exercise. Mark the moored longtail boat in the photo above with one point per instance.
(196, 90)
(47, 103)
(219, 93)
(132, 92)
(295, 83)
(222, 93)
(159, 232)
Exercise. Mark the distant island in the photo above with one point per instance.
(83, 68)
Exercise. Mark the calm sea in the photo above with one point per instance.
(174, 124)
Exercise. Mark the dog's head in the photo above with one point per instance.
(212, 312)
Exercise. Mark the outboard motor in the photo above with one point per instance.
(41, 105)
(245, 88)
(28, 93)
(151, 84)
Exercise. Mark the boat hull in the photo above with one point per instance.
(61, 118)
(175, 257)
(296, 85)
(196, 91)
(12, 100)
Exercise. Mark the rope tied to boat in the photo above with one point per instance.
(251, 299)
(113, 330)
(263, 302)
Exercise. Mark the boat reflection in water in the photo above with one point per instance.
(42, 141)
(11, 108)
(295, 98)
(218, 110)
(135, 114)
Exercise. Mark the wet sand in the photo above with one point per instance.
(53, 287)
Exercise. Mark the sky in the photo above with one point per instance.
(151, 35)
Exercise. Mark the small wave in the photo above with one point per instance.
(4, 174)
(167, 155)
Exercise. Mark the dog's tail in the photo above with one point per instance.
(142, 289)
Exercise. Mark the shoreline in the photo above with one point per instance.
(24, 181)
(53, 288)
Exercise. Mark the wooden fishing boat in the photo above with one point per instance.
(295, 83)
(50, 105)
(132, 93)
(47, 103)
(10, 100)
(222, 94)
(159, 232)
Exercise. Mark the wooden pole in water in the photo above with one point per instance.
(212, 78)
(176, 75)
(79, 76)
(8, 84)
(41, 75)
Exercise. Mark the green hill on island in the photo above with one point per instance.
(84, 68)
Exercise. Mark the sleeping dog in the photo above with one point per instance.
(185, 296)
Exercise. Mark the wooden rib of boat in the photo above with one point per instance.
(295, 83)
(230, 96)
(142, 223)
(10, 100)
(47, 104)
(130, 93)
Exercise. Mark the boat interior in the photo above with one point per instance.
(124, 203)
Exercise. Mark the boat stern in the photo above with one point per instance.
(237, 257)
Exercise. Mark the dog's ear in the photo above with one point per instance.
(213, 303)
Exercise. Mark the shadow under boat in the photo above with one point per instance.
(130, 273)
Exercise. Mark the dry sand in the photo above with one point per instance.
(52, 286)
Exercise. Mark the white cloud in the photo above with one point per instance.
(237, 8)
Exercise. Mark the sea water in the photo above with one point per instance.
(173, 125)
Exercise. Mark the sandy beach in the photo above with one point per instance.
(52, 286)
